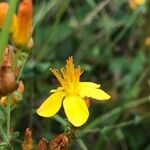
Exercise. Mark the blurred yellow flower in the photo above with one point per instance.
(3, 100)
(147, 41)
(23, 31)
(133, 4)
(72, 94)
(21, 27)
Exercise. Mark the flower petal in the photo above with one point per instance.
(51, 105)
(57, 90)
(76, 110)
(93, 93)
(89, 84)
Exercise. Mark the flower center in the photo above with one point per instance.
(68, 77)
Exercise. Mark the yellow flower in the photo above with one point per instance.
(23, 30)
(72, 94)
(147, 41)
(21, 27)
(133, 4)
(3, 100)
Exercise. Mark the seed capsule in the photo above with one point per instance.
(8, 81)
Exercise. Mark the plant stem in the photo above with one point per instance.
(127, 123)
(134, 121)
(22, 67)
(3, 135)
(117, 110)
(72, 133)
(7, 25)
(8, 119)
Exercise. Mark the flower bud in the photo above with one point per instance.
(27, 143)
(23, 31)
(42, 145)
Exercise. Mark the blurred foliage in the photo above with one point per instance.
(107, 38)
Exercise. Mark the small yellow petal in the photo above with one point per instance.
(51, 105)
(89, 84)
(76, 110)
(93, 93)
